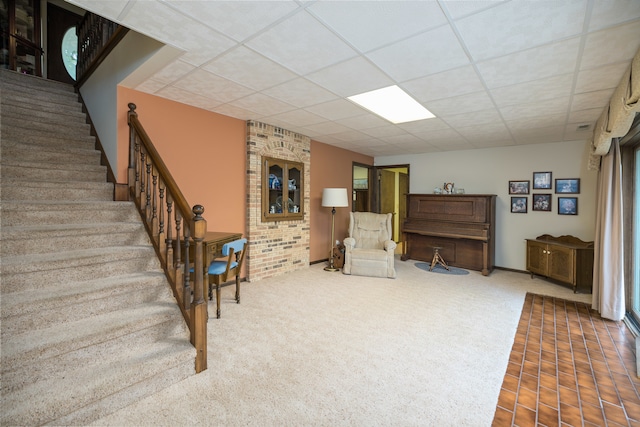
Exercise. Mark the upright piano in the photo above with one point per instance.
(461, 225)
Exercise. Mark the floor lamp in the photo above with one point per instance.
(334, 198)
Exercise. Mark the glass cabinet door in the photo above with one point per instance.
(283, 190)
(20, 26)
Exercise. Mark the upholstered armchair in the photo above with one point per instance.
(369, 250)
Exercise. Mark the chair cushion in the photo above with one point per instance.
(219, 267)
(369, 254)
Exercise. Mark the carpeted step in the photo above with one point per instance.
(71, 295)
(12, 135)
(40, 271)
(50, 115)
(69, 190)
(33, 83)
(66, 105)
(52, 238)
(17, 213)
(31, 171)
(72, 396)
(53, 127)
(45, 153)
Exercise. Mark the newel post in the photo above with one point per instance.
(132, 144)
(199, 313)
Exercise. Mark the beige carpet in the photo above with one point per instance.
(315, 348)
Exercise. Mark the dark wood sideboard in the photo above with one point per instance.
(565, 259)
(462, 225)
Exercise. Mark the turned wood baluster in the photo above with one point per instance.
(187, 294)
(161, 238)
(177, 253)
(133, 152)
(139, 196)
(154, 209)
(169, 240)
(147, 206)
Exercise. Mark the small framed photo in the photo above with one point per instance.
(542, 181)
(518, 187)
(567, 206)
(541, 202)
(518, 205)
(568, 186)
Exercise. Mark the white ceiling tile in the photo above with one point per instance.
(222, 90)
(414, 57)
(350, 136)
(159, 21)
(493, 131)
(533, 136)
(612, 12)
(301, 44)
(444, 85)
(262, 104)
(614, 45)
(539, 121)
(151, 86)
(537, 90)
(351, 77)
(239, 65)
(427, 125)
(336, 109)
(404, 139)
(236, 19)
(460, 104)
(473, 118)
(239, 113)
(600, 78)
(571, 133)
(301, 93)
(173, 72)
(443, 136)
(516, 30)
(461, 8)
(364, 121)
(379, 22)
(189, 98)
(557, 106)
(327, 128)
(299, 117)
(583, 101)
(590, 115)
(384, 131)
(532, 64)
(108, 9)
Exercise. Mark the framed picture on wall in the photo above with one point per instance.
(518, 187)
(518, 205)
(542, 181)
(568, 186)
(541, 202)
(567, 206)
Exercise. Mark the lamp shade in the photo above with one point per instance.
(335, 198)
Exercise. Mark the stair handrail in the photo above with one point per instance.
(156, 194)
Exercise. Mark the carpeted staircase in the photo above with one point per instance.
(89, 324)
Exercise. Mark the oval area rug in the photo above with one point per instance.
(440, 269)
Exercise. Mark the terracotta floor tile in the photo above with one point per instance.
(570, 365)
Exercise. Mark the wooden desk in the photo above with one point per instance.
(212, 245)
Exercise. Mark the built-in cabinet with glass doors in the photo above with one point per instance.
(21, 49)
(282, 190)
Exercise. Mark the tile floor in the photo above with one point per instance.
(569, 367)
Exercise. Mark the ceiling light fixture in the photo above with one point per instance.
(392, 104)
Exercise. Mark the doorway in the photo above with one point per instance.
(62, 44)
(382, 189)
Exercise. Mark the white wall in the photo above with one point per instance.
(488, 171)
(100, 91)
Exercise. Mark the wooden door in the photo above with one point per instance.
(387, 187)
(562, 264)
(537, 258)
(58, 23)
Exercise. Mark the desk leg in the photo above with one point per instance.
(218, 300)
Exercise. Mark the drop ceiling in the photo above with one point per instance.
(495, 73)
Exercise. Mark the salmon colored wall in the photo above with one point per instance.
(330, 167)
(205, 152)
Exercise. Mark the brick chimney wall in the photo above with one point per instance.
(275, 247)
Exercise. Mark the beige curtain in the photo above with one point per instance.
(616, 119)
(608, 270)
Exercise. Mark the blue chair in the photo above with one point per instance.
(220, 271)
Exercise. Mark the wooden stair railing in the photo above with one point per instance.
(176, 230)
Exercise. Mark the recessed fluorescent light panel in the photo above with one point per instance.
(393, 104)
